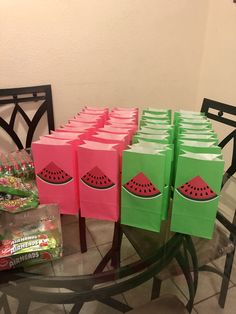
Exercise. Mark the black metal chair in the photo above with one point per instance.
(224, 238)
(19, 101)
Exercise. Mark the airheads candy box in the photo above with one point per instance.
(29, 259)
(26, 244)
(30, 237)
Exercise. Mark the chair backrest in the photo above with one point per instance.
(225, 114)
(20, 100)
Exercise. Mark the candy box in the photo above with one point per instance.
(30, 237)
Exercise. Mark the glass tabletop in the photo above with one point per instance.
(108, 267)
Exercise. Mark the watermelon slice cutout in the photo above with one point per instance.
(141, 186)
(197, 189)
(54, 175)
(96, 179)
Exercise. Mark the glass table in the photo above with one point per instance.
(111, 266)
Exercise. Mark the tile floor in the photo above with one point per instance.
(99, 235)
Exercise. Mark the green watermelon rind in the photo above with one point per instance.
(199, 200)
(143, 197)
(70, 179)
(98, 188)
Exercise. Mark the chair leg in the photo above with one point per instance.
(227, 270)
(156, 288)
(82, 234)
(116, 244)
(226, 279)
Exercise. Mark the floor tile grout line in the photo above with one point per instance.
(96, 244)
(218, 268)
(182, 292)
(214, 295)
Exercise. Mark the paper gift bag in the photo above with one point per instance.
(165, 139)
(132, 127)
(120, 131)
(150, 116)
(56, 173)
(99, 181)
(157, 111)
(196, 194)
(96, 116)
(142, 189)
(123, 121)
(168, 151)
(90, 120)
(146, 122)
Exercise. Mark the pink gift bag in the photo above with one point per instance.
(96, 116)
(74, 130)
(124, 121)
(133, 127)
(56, 172)
(74, 122)
(99, 181)
(117, 131)
(86, 118)
(103, 113)
(62, 135)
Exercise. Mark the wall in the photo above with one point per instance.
(105, 52)
(218, 70)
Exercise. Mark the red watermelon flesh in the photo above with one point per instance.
(141, 186)
(197, 189)
(96, 179)
(54, 175)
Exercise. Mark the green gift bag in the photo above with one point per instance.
(187, 131)
(144, 130)
(142, 188)
(168, 151)
(151, 117)
(156, 134)
(146, 122)
(165, 139)
(199, 138)
(189, 114)
(157, 111)
(196, 193)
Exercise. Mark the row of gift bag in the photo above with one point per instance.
(91, 168)
(193, 170)
(78, 165)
